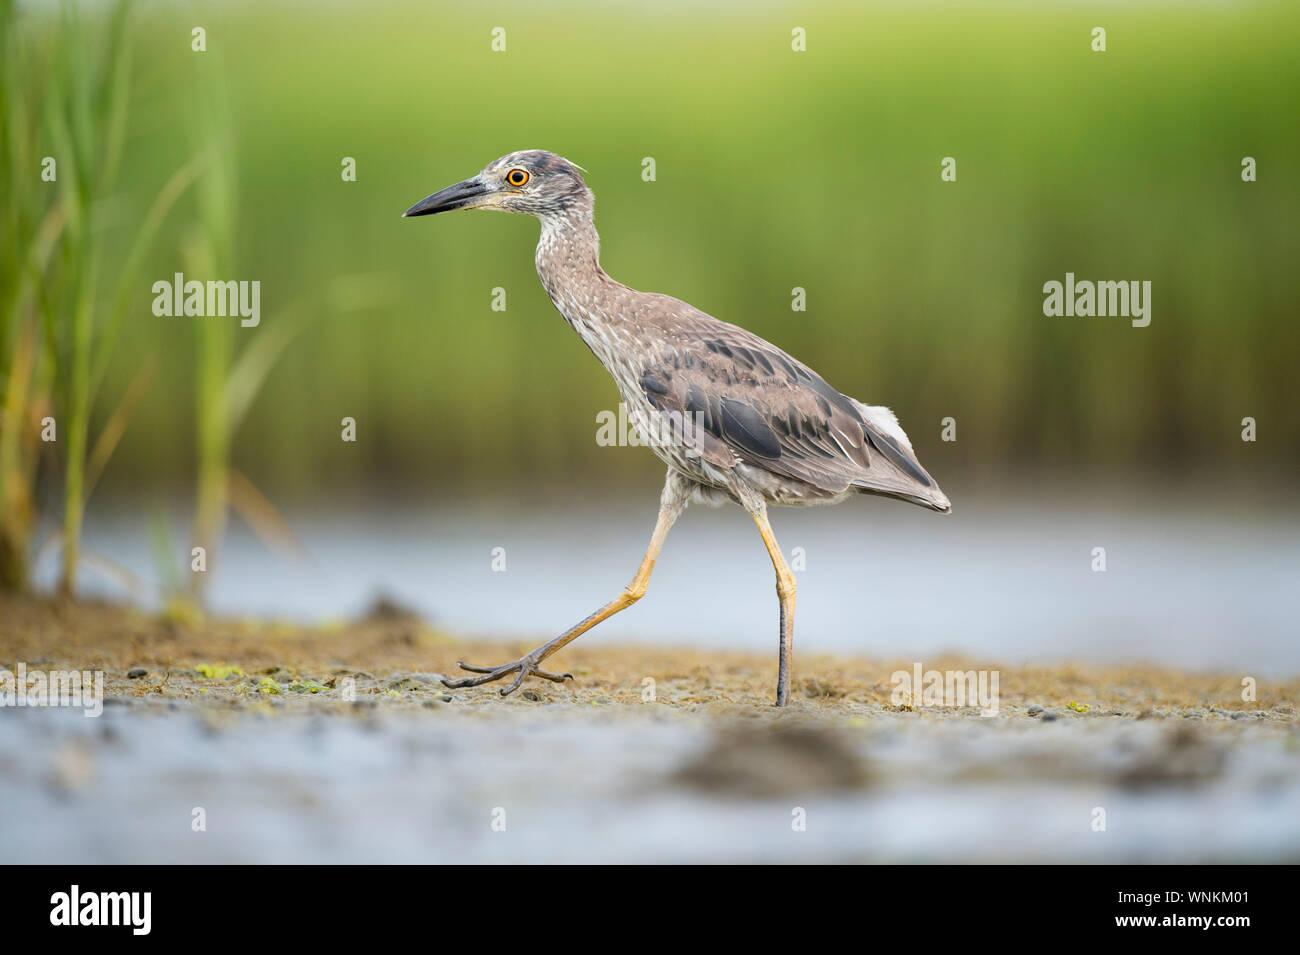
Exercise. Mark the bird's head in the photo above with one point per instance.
(533, 182)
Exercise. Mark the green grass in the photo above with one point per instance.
(73, 267)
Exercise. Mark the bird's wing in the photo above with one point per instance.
(774, 412)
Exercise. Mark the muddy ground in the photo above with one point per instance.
(249, 741)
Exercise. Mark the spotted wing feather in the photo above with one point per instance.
(768, 410)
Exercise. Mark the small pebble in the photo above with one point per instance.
(137, 672)
(1034, 709)
(1048, 716)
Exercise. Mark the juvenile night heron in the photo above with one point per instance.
(733, 416)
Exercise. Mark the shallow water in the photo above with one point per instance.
(1006, 578)
(577, 784)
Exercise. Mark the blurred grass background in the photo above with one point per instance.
(775, 169)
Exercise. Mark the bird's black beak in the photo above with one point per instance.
(453, 197)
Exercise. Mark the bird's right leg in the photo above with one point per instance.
(677, 490)
(785, 590)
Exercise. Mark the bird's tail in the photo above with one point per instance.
(930, 497)
(895, 472)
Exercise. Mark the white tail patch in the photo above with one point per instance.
(885, 420)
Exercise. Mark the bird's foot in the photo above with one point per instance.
(525, 666)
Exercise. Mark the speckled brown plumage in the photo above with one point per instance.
(733, 416)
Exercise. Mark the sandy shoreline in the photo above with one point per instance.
(391, 652)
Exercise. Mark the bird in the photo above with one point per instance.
(735, 418)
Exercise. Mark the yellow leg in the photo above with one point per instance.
(676, 492)
(785, 591)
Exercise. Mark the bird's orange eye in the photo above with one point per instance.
(517, 177)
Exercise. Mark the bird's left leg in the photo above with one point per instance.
(677, 490)
(785, 593)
